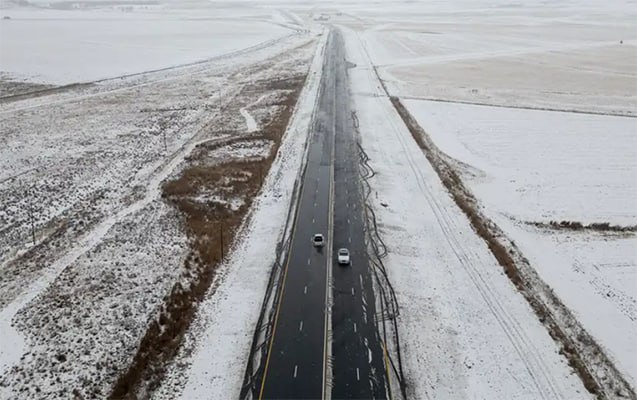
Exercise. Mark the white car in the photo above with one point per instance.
(343, 256)
(318, 240)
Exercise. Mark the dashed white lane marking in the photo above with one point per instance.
(347, 205)
(301, 327)
(360, 278)
(312, 220)
(350, 239)
(348, 221)
(305, 290)
(308, 261)
(296, 367)
(314, 204)
(354, 327)
(358, 375)
(352, 291)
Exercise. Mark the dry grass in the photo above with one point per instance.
(211, 227)
(576, 346)
(578, 226)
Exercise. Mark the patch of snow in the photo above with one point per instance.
(250, 122)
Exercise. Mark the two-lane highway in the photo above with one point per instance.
(298, 363)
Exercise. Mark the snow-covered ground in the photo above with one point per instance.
(570, 55)
(530, 166)
(465, 330)
(539, 166)
(85, 167)
(66, 46)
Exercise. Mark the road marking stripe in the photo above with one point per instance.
(301, 327)
(308, 261)
(296, 367)
(352, 291)
(327, 350)
(358, 375)
(305, 290)
(354, 327)
(280, 299)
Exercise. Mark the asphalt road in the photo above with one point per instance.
(296, 365)
(358, 362)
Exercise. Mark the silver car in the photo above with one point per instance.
(318, 240)
(343, 256)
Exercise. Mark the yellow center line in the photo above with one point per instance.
(280, 299)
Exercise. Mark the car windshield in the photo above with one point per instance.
(318, 238)
(343, 252)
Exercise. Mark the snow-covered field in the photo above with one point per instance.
(567, 55)
(465, 331)
(84, 167)
(67, 46)
(530, 166)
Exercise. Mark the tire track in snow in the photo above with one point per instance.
(250, 121)
(528, 354)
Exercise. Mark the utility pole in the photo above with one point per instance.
(32, 223)
(221, 234)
